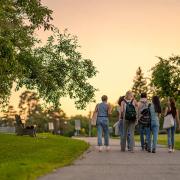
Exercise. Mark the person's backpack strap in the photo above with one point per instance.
(125, 101)
(132, 101)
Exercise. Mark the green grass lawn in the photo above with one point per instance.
(162, 139)
(23, 158)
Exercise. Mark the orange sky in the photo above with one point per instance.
(119, 36)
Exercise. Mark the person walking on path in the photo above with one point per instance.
(144, 121)
(120, 118)
(171, 109)
(129, 114)
(103, 111)
(155, 111)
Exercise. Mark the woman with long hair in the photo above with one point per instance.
(155, 111)
(121, 98)
(171, 109)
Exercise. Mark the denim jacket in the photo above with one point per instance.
(154, 116)
(102, 115)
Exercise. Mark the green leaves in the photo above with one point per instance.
(36, 14)
(54, 70)
(166, 77)
(66, 72)
(17, 40)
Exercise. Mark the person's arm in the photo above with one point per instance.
(109, 109)
(96, 108)
(122, 110)
(159, 115)
(136, 104)
(166, 111)
(119, 112)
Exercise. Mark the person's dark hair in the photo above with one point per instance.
(157, 104)
(173, 106)
(104, 98)
(121, 98)
(144, 95)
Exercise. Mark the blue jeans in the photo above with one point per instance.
(102, 126)
(171, 133)
(121, 132)
(145, 131)
(155, 131)
(128, 135)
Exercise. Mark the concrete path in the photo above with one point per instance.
(116, 165)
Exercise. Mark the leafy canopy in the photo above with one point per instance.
(166, 77)
(54, 70)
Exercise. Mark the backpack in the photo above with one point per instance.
(130, 113)
(145, 116)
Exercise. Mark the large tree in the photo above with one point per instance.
(140, 83)
(18, 21)
(54, 70)
(166, 77)
(28, 103)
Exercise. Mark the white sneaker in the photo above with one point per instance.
(100, 148)
(107, 148)
(170, 150)
(173, 150)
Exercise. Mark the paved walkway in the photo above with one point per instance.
(116, 165)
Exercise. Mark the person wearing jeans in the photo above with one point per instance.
(147, 132)
(121, 131)
(121, 128)
(144, 120)
(155, 110)
(171, 139)
(102, 126)
(171, 109)
(103, 111)
(155, 131)
(128, 135)
(128, 125)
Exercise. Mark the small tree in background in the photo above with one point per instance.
(8, 116)
(166, 77)
(140, 84)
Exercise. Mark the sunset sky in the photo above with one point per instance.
(119, 36)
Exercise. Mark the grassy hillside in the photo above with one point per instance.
(23, 158)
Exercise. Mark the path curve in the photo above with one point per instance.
(116, 165)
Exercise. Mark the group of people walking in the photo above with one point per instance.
(145, 114)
